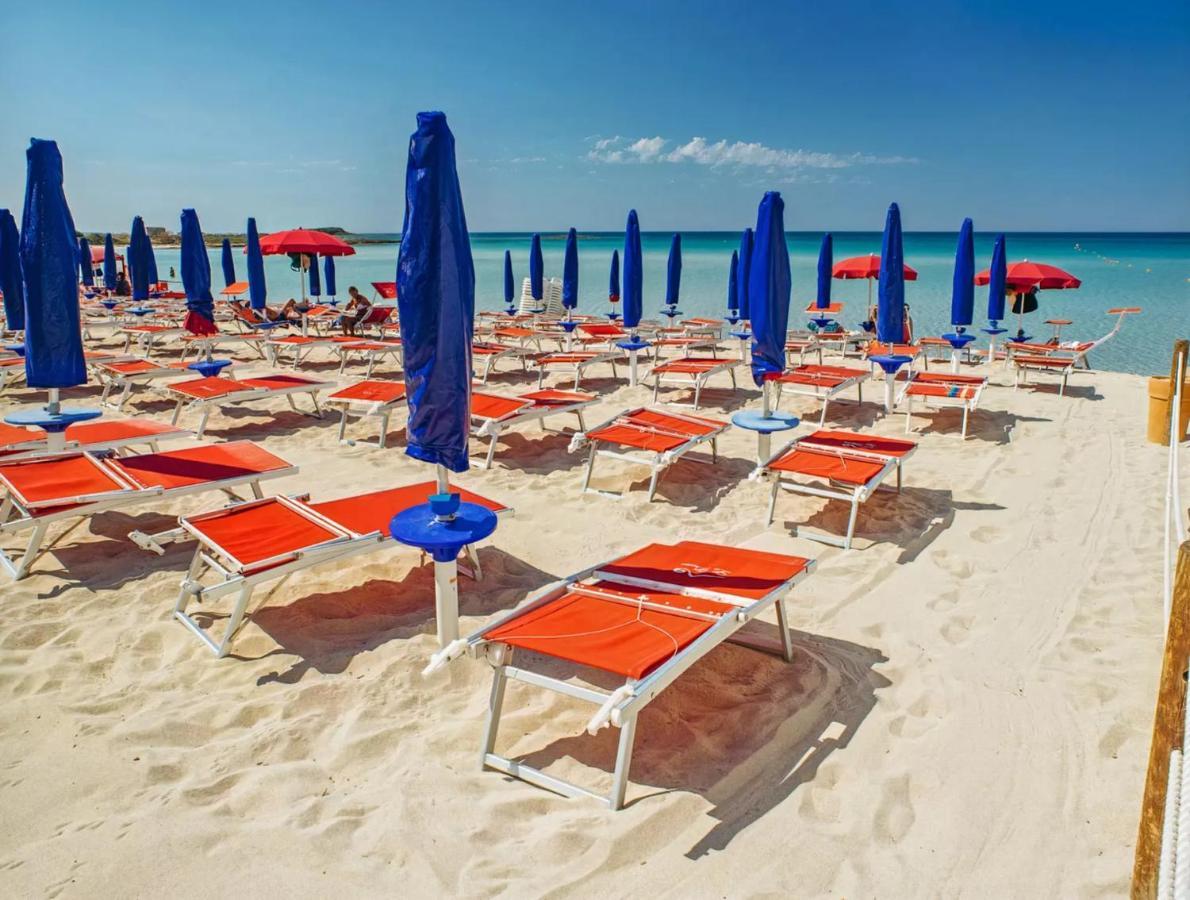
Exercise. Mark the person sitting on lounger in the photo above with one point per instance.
(356, 313)
(123, 288)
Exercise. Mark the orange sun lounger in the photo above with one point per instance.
(822, 383)
(942, 389)
(852, 466)
(648, 437)
(368, 398)
(492, 414)
(577, 361)
(371, 351)
(93, 437)
(301, 346)
(147, 336)
(124, 374)
(264, 540)
(206, 393)
(645, 618)
(491, 352)
(40, 492)
(690, 372)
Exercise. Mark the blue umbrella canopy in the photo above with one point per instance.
(570, 271)
(890, 299)
(768, 289)
(196, 276)
(109, 263)
(315, 282)
(152, 257)
(257, 290)
(962, 295)
(733, 281)
(745, 273)
(10, 273)
(673, 271)
(229, 264)
(509, 281)
(536, 266)
(613, 278)
(328, 269)
(998, 281)
(826, 264)
(49, 261)
(633, 275)
(436, 299)
(138, 259)
(86, 267)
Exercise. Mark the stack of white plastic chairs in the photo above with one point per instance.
(551, 303)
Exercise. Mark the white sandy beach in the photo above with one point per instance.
(968, 712)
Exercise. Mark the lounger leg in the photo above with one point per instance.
(202, 422)
(233, 624)
(656, 385)
(317, 408)
(107, 389)
(773, 499)
(541, 377)
(384, 430)
(653, 481)
(256, 492)
(177, 412)
(21, 569)
(714, 449)
(581, 426)
(965, 411)
(697, 391)
(491, 452)
(623, 762)
(495, 705)
(822, 417)
(908, 413)
(590, 467)
(472, 555)
(342, 423)
(1062, 389)
(371, 363)
(783, 626)
(851, 523)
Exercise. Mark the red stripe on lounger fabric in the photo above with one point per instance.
(738, 572)
(944, 378)
(209, 388)
(828, 464)
(279, 382)
(492, 406)
(850, 440)
(372, 392)
(132, 367)
(1050, 362)
(691, 425)
(365, 513)
(556, 398)
(640, 438)
(198, 465)
(690, 365)
(120, 430)
(941, 390)
(262, 531)
(58, 478)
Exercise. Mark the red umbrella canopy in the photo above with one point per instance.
(304, 240)
(1024, 276)
(865, 267)
(97, 255)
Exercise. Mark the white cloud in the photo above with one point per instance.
(737, 154)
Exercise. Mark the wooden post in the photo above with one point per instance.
(1167, 732)
(1181, 350)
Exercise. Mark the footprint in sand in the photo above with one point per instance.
(986, 534)
(957, 629)
(944, 601)
(894, 815)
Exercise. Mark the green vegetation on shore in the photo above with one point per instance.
(163, 237)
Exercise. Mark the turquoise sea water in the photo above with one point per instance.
(1147, 270)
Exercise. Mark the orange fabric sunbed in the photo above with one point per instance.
(691, 372)
(646, 617)
(368, 398)
(577, 361)
(942, 389)
(492, 414)
(822, 383)
(116, 435)
(206, 393)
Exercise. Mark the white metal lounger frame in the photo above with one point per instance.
(853, 494)
(1023, 364)
(967, 405)
(37, 448)
(656, 462)
(822, 392)
(243, 580)
(147, 340)
(491, 358)
(126, 381)
(363, 409)
(372, 351)
(247, 396)
(301, 349)
(91, 505)
(690, 380)
(579, 365)
(621, 706)
(492, 428)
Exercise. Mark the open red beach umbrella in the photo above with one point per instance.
(868, 268)
(305, 241)
(1025, 277)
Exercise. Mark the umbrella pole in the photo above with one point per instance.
(446, 581)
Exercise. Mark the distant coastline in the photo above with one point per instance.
(163, 238)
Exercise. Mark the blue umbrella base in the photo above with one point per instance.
(209, 368)
(891, 363)
(40, 417)
(443, 538)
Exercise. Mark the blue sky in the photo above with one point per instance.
(1025, 116)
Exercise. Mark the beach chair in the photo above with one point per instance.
(685, 343)
(492, 414)
(703, 327)
(600, 334)
(942, 390)
(690, 372)
(40, 492)
(647, 437)
(12, 371)
(302, 345)
(822, 383)
(204, 394)
(490, 352)
(371, 352)
(200, 345)
(384, 290)
(148, 335)
(913, 351)
(645, 618)
(801, 343)
(248, 544)
(841, 465)
(577, 361)
(368, 398)
(378, 319)
(115, 436)
(124, 375)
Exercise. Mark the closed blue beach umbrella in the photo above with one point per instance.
(733, 277)
(890, 299)
(86, 267)
(826, 264)
(962, 296)
(315, 281)
(768, 289)
(745, 273)
(152, 258)
(138, 259)
(570, 272)
(257, 289)
(328, 270)
(633, 274)
(229, 264)
(436, 299)
(998, 281)
(613, 278)
(109, 263)
(673, 272)
(509, 281)
(536, 266)
(10, 273)
(196, 277)
(49, 261)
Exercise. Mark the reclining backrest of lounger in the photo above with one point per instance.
(702, 567)
(190, 466)
(850, 440)
(263, 533)
(61, 480)
(372, 391)
(493, 406)
(372, 512)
